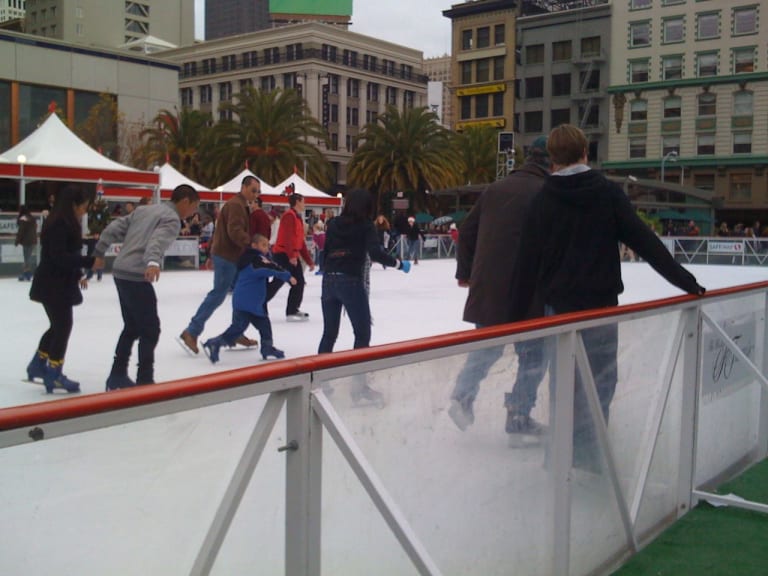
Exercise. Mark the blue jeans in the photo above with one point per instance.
(348, 292)
(413, 249)
(224, 273)
(240, 321)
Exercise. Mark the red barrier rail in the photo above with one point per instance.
(41, 413)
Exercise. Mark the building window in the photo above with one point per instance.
(498, 104)
(561, 84)
(499, 33)
(466, 72)
(742, 142)
(705, 144)
(706, 64)
(372, 92)
(328, 53)
(561, 51)
(708, 26)
(250, 59)
(465, 103)
(205, 94)
(671, 67)
(371, 116)
(589, 114)
(638, 110)
(533, 121)
(590, 46)
(391, 95)
(637, 148)
(743, 60)
(559, 116)
(289, 81)
(672, 2)
(186, 97)
(670, 144)
(638, 71)
(672, 30)
(483, 69)
(408, 98)
(246, 84)
(534, 87)
(333, 83)
(639, 4)
(704, 181)
(673, 107)
(744, 20)
(481, 106)
(534, 54)
(741, 187)
(334, 113)
(742, 103)
(639, 34)
(498, 68)
(466, 40)
(267, 83)
(707, 104)
(228, 62)
(353, 88)
(334, 141)
(483, 37)
(589, 81)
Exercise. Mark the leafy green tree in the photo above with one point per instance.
(273, 133)
(99, 129)
(479, 149)
(407, 151)
(179, 137)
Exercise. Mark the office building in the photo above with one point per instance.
(11, 9)
(232, 17)
(438, 70)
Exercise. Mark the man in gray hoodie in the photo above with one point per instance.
(146, 233)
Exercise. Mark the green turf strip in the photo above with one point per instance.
(712, 541)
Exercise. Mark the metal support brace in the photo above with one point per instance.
(237, 486)
(370, 481)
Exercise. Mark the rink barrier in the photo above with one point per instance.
(298, 384)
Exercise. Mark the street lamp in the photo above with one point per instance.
(21, 159)
(672, 157)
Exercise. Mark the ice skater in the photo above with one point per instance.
(249, 300)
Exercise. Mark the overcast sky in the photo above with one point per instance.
(418, 24)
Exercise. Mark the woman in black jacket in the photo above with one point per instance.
(26, 237)
(349, 239)
(57, 284)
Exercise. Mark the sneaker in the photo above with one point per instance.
(243, 340)
(462, 414)
(211, 348)
(189, 342)
(297, 316)
(523, 424)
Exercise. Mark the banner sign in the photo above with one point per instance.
(730, 247)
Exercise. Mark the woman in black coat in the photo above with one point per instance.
(56, 285)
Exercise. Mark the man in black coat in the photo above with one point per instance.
(488, 245)
(569, 261)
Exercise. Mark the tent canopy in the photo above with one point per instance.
(233, 186)
(170, 178)
(54, 152)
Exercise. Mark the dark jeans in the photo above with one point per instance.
(240, 321)
(348, 292)
(224, 275)
(296, 293)
(55, 340)
(138, 305)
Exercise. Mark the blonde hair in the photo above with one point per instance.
(566, 145)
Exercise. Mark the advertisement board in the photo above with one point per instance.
(314, 7)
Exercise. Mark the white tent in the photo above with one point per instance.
(54, 152)
(302, 187)
(170, 178)
(233, 186)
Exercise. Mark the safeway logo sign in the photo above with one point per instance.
(726, 247)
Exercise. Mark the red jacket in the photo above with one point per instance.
(290, 238)
(260, 223)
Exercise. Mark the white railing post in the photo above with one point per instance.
(691, 385)
(761, 360)
(561, 419)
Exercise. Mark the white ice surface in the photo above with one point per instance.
(423, 303)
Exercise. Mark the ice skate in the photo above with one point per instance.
(188, 343)
(268, 350)
(366, 396)
(211, 349)
(462, 414)
(54, 379)
(243, 340)
(297, 316)
(36, 367)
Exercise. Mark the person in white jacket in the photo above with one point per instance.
(146, 233)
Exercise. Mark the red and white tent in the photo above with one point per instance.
(54, 152)
(312, 196)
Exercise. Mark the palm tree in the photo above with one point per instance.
(179, 137)
(479, 148)
(273, 133)
(406, 151)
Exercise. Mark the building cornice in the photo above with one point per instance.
(700, 81)
(478, 7)
(750, 160)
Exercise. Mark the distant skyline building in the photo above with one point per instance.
(112, 23)
(11, 9)
(438, 70)
(225, 18)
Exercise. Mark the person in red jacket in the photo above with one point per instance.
(291, 245)
(259, 220)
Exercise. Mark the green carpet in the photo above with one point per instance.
(711, 541)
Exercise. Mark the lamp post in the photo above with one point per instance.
(21, 159)
(671, 156)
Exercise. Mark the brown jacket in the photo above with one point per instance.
(489, 242)
(231, 236)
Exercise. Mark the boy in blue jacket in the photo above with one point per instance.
(249, 300)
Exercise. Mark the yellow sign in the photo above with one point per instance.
(481, 90)
(495, 123)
